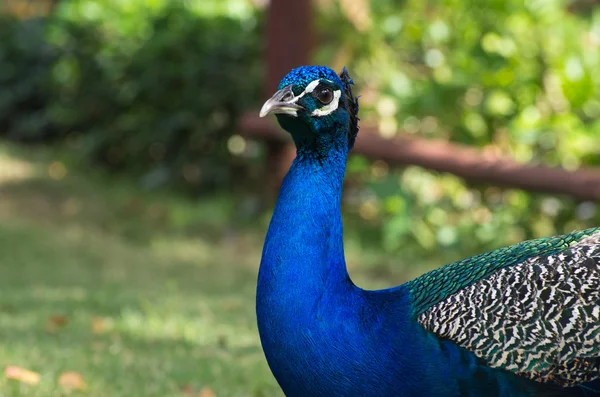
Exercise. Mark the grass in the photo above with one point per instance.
(140, 294)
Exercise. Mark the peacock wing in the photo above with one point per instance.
(532, 308)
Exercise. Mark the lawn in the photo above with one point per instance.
(138, 294)
(130, 292)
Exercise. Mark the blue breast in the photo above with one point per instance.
(362, 343)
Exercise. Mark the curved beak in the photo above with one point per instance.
(282, 102)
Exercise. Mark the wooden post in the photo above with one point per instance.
(289, 45)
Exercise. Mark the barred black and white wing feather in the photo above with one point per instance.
(538, 318)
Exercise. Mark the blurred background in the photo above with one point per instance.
(136, 180)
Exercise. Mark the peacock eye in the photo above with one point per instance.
(325, 95)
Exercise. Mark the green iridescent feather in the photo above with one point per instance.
(437, 285)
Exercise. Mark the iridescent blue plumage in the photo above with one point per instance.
(434, 336)
(300, 77)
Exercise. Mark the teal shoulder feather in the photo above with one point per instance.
(435, 286)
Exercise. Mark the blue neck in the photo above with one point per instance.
(321, 335)
(303, 255)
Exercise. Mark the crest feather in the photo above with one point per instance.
(351, 106)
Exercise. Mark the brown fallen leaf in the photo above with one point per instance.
(206, 392)
(98, 325)
(22, 375)
(71, 380)
(53, 323)
(187, 390)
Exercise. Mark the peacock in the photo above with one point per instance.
(518, 321)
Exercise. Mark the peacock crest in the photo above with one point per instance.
(351, 106)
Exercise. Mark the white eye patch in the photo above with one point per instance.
(308, 90)
(325, 110)
(311, 87)
(330, 107)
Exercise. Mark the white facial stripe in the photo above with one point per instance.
(325, 110)
(311, 87)
(308, 90)
(292, 109)
(329, 108)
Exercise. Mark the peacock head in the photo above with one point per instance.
(315, 106)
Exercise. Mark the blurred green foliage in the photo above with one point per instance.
(149, 87)
(25, 58)
(153, 88)
(511, 77)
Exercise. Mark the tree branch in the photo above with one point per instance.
(463, 161)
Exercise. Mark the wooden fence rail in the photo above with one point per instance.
(463, 161)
